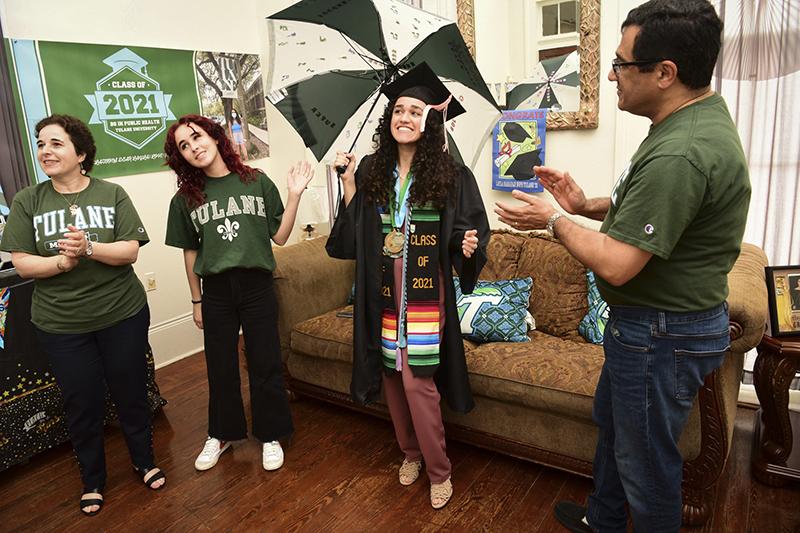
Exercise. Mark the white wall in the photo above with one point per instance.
(594, 157)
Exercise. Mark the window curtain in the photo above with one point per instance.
(758, 74)
(13, 171)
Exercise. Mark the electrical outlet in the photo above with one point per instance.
(150, 281)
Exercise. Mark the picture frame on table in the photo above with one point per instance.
(783, 294)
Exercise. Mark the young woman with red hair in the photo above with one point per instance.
(223, 217)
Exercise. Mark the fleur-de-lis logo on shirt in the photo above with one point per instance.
(228, 230)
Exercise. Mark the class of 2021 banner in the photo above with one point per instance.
(128, 96)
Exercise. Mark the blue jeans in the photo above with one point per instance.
(655, 362)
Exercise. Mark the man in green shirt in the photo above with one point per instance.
(671, 232)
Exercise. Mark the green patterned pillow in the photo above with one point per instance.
(495, 311)
(593, 325)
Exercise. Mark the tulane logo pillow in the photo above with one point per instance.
(593, 324)
(495, 311)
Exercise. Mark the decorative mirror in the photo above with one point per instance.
(555, 17)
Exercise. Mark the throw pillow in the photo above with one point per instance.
(495, 311)
(593, 325)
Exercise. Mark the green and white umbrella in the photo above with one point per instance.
(555, 85)
(329, 59)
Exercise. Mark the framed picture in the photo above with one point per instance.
(783, 284)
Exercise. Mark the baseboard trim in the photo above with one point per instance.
(175, 339)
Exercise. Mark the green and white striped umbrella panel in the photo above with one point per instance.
(555, 84)
(325, 78)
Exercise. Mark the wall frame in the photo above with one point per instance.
(587, 115)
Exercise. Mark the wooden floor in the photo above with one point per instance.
(340, 475)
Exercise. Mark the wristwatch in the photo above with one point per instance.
(89, 251)
(551, 224)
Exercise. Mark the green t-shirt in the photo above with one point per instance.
(93, 295)
(684, 198)
(232, 228)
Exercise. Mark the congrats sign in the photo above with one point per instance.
(128, 95)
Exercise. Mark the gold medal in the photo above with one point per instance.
(393, 243)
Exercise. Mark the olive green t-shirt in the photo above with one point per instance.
(232, 228)
(93, 295)
(684, 198)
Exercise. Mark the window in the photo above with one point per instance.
(559, 18)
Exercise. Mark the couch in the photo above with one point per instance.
(533, 400)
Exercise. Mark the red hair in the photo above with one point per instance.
(192, 180)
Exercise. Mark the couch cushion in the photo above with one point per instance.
(327, 336)
(558, 299)
(549, 373)
(556, 377)
(331, 337)
(502, 256)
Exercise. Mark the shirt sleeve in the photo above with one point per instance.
(273, 203)
(181, 232)
(128, 226)
(660, 202)
(19, 234)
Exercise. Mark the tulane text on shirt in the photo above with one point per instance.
(213, 210)
(86, 217)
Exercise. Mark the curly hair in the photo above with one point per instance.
(192, 180)
(78, 133)
(434, 171)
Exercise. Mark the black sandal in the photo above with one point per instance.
(149, 481)
(88, 502)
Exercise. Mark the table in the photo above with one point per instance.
(31, 405)
(776, 447)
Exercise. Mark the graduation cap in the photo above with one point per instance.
(522, 166)
(421, 83)
(514, 132)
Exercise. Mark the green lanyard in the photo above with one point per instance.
(398, 206)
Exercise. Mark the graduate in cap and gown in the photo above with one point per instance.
(410, 215)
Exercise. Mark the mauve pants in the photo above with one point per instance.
(414, 406)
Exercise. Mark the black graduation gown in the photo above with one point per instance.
(356, 234)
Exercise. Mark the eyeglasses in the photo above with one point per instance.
(616, 64)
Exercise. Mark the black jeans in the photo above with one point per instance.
(244, 298)
(83, 365)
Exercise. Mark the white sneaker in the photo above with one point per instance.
(210, 454)
(272, 455)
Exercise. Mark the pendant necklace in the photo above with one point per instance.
(73, 205)
(393, 243)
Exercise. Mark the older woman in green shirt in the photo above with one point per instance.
(77, 238)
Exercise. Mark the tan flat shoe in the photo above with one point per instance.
(441, 494)
(409, 472)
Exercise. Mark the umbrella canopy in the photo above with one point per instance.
(555, 84)
(331, 57)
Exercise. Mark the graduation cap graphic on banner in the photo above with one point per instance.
(518, 144)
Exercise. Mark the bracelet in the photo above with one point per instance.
(551, 224)
(59, 266)
(197, 301)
